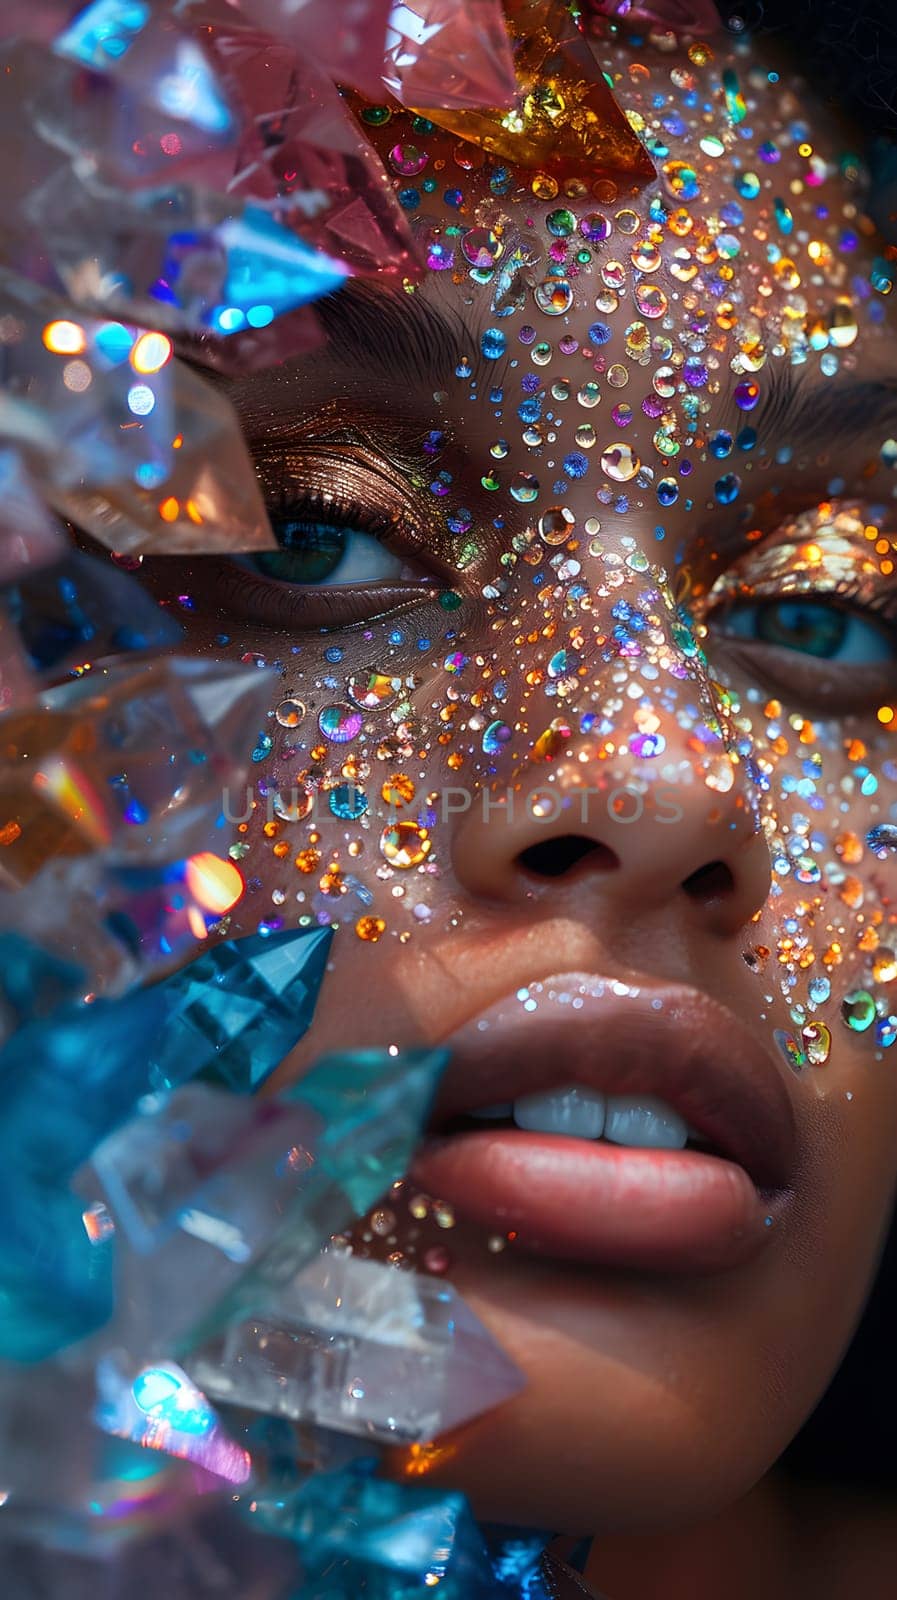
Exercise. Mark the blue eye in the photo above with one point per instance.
(324, 554)
(814, 627)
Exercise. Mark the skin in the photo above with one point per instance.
(652, 1400)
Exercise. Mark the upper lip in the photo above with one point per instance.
(669, 1041)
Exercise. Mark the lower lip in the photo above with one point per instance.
(658, 1210)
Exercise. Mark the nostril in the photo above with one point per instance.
(556, 857)
(711, 882)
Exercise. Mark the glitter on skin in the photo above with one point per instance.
(560, 635)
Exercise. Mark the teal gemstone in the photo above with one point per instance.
(374, 1107)
(399, 1540)
(239, 1009)
(65, 1083)
(33, 983)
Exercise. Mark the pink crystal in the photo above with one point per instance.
(449, 53)
(304, 157)
(347, 38)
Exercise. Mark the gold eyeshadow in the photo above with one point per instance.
(831, 550)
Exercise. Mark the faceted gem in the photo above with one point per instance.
(882, 838)
(29, 537)
(230, 1197)
(817, 1041)
(69, 1485)
(183, 258)
(82, 770)
(304, 157)
(80, 607)
(564, 120)
(141, 47)
(64, 1084)
(138, 459)
(348, 41)
(429, 1535)
(356, 1346)
(449, 53)
(241, 1007)
(161, 1409)
(33, 982)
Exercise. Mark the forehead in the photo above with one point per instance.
(752, 227)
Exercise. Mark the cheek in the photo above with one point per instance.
(342, 820)
(826, 939)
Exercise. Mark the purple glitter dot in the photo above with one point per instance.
(695, 374)
(652, 406)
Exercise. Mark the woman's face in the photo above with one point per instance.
(587, 672)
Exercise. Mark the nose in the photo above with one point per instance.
(581, 827)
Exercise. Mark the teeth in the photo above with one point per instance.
(646, 1123)
(578, 1112)
(643, 1122)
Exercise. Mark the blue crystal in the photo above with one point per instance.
(78, 606)
(33, 983)
(241, 1007)
(268, 270)
(64, 1084)
(178, 77)
(404, 1536)
(373, 1107)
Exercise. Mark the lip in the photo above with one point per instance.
(593, 1201)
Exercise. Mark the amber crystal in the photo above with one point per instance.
(564, 120)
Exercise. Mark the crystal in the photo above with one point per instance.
(348, 41)
(180, 258)
(565, 120)
(241, 1007)
(79, 608)
(175, 1551)
(247, 1192)
(29, 537)
(81, 770)
(128, 443)
(110, 128)
(305, 158)
(33, 982)
(427, 1535)
(179, 1164)
(67, 1483)
(358, 1346)
(141, 47)
(65, 1082)
(449, 53)
(161, 1409)
(295, 334)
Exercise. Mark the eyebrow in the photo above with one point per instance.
(394, 334)
(802, 415)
